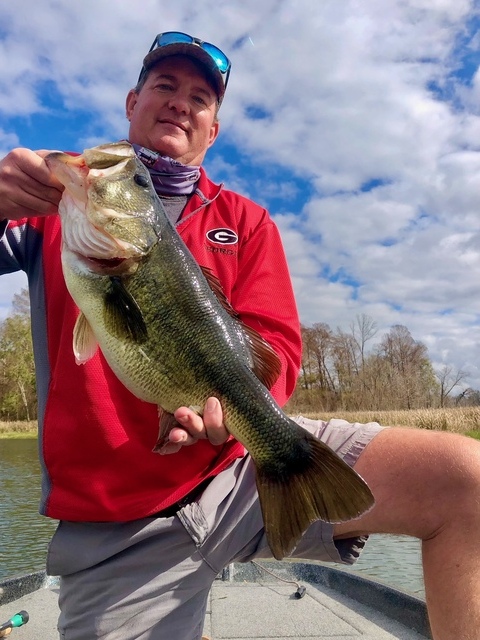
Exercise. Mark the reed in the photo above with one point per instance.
(465, 420)
(455, 419)
(18, 429)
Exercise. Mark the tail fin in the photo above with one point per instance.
(317, 485)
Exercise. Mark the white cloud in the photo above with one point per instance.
(7, 142)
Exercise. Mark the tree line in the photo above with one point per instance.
(18, 398)
(341, 370)
(348, 371)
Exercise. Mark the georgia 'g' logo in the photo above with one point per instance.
(222, 236)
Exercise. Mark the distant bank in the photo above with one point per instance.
(464, 420)
(19, 429)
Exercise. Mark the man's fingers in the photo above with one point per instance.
(177, 438)
(193, 427)
(213, 421)
(190, 422)
(27, 186)
(41, 182)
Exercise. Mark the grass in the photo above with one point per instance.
(19, 429)
(465, 420)
(473, 434)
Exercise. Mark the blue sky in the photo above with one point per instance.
(356, 123)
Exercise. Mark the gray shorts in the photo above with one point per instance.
(150, 578)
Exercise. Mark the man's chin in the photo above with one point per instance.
(169, 145)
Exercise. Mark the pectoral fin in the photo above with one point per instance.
(122, 315)
(84, 341)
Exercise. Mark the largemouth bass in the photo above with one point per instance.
(172, 339)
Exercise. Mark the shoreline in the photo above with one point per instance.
(462, 420)
(18, 429)
(19, 435)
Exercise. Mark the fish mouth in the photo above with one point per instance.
(110, 266)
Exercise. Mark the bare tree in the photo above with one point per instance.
(340, 373)
(346, 368)
(468, 398)
(363, 329)
(449, 378)
(316, 384)
(411, 375)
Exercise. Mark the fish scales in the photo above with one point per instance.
(172, 340)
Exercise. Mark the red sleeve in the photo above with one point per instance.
(264, 299)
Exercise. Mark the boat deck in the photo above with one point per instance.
(248, 604)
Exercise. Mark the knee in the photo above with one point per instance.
(423, 481)
(462, 463)
(458, 479)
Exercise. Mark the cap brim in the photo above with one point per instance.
(193, 51)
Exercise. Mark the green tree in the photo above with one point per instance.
(17, 377)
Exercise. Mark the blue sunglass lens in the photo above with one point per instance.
(220, 58)
(172, 37)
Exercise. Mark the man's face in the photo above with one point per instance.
(175, 111)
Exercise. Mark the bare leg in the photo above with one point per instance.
(427, 485)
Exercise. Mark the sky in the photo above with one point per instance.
(355, 122)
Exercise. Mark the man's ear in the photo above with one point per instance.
(130, 102)
(214, 131)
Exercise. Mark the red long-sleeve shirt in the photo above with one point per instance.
(96, 437)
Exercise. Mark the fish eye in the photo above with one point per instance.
(141, 180)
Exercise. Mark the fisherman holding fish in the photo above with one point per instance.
(175, 303)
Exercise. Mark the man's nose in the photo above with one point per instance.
(179, 102)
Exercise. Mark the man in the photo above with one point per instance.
(142, 536)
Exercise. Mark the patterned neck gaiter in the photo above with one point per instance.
(169, 177)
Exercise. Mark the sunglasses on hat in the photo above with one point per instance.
(221, 63)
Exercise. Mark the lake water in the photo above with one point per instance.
(24, 534)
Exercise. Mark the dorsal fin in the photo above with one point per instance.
(266, 364)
